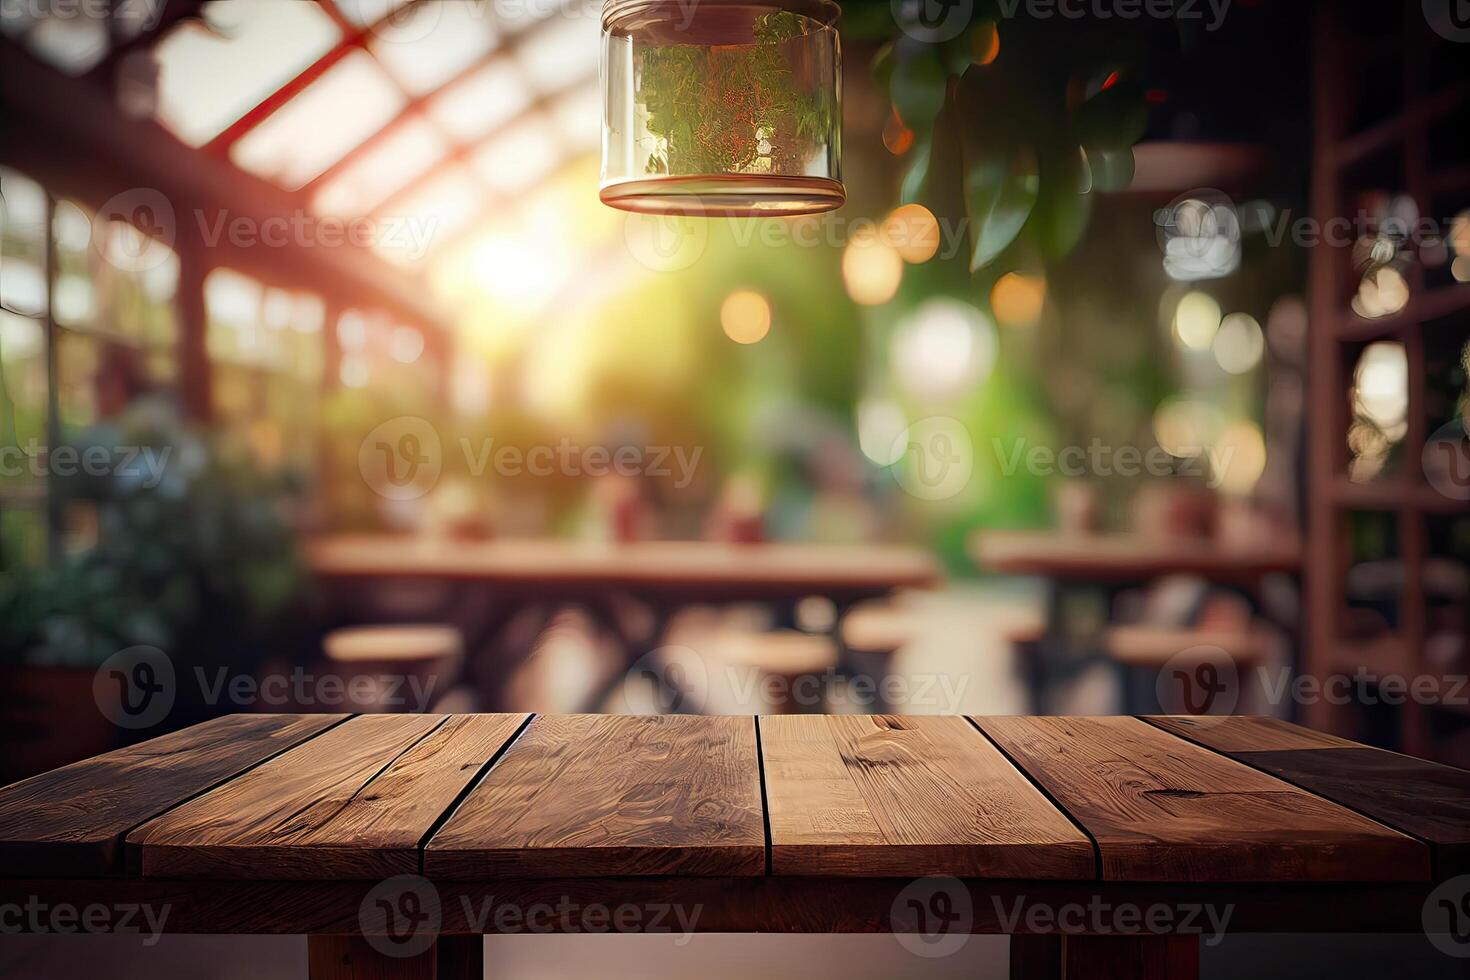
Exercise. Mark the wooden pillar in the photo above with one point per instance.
(55, 515)
(1327, 403)
(195, 382)
(354, 958)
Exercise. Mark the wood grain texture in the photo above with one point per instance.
(1422, 798)
(355, 803)
(72, 821)
(919, 795)
(585, 795)
(1164, 809)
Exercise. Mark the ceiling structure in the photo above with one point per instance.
(443, 113)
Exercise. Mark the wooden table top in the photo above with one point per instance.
(767, 569)
(330, 798)
(1126, 557)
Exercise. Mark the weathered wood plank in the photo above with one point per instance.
(1422, 798)
(355, 803)
(918, 795)
(72, 821)
(585, 795)
(1164, 809)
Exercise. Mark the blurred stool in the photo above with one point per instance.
(797, 660)
(871, 634)
(1142, 652)
(1025, 640)
(399, 667)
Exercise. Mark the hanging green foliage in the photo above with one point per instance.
(1043, 112)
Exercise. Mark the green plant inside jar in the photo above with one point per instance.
(735, 108)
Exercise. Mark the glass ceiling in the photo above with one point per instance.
(421, 110)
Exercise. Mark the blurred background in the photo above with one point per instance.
(1131, 376)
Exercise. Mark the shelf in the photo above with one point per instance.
(1354, 149)
(1394, 494)
(1431, 305)
(1379, 655)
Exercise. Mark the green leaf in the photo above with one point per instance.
(918, 172)
(1064, 205)
(883, 63)
(1000, 198)
(1112, 170)
(1113, 119)
(917, 88)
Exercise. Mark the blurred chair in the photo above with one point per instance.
(796, 660)
(1141, 653)
(397, 664)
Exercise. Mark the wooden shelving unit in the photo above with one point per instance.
(1350, 159)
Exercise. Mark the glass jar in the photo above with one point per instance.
(721, 107)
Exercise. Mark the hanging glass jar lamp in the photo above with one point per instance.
(724, 108)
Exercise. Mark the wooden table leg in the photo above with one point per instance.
(354, 958)
(1036, 957)
(1130, 958)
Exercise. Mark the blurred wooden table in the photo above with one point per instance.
(1128, 557)
(495, 580)
(689, 571)
(1112, 562)
(395, 841)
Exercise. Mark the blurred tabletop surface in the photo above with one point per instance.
(512, 796)
(1128, 556)
(774, 568)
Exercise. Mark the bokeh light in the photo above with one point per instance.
(1017, 299)
(1183, 427)
(880, 421)
(1239, 343)
(745, 316)
(1196, 320)
(871, 270)
(913, 232)
(1240, 458)
(1381, 385)
(1382, 292)
(944, 348)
